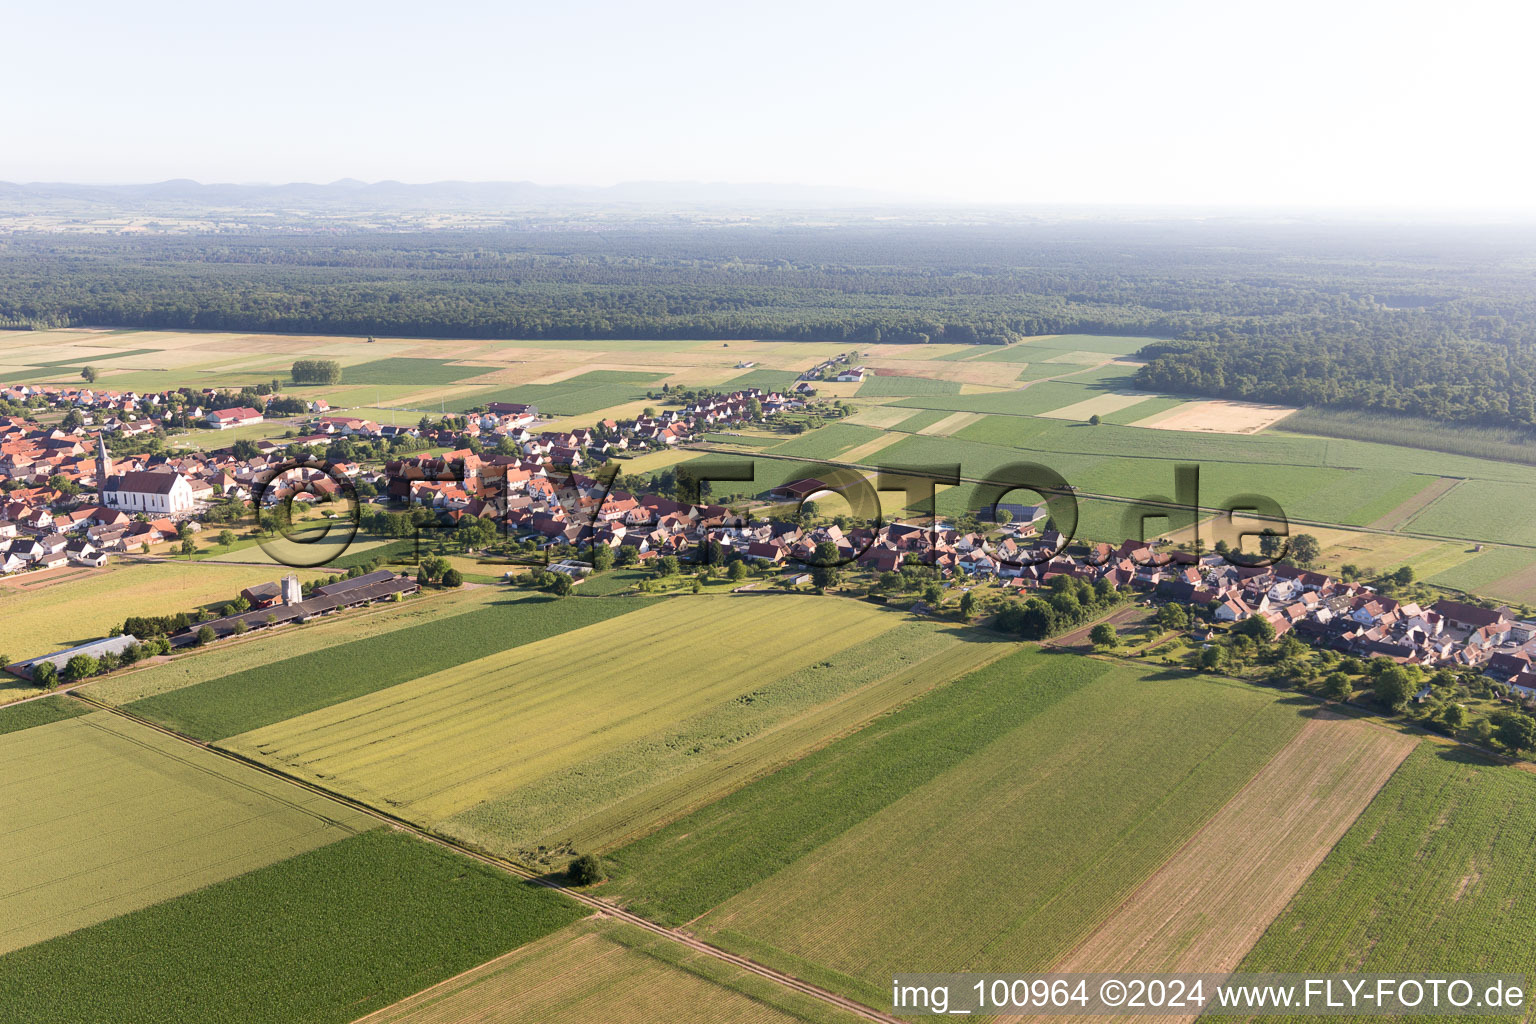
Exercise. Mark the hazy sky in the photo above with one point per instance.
(1318, 103)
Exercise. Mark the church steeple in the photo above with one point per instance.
(103, 469)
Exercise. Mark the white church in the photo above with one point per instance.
(156, 492)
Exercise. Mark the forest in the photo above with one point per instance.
(1429, 321)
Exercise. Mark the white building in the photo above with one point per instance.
(158, 493)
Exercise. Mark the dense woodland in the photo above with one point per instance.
(1428, 321)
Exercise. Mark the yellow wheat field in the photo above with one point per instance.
(440, 744)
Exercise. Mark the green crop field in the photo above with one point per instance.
(1440, 867)
(224, 706)
(1093, 794)
(320, 938)
(828, 442)
(1484, 509)
(1481, 570)
(768, 380)
(436, 746)
(587, 393)
(602, 800)
(420, 372)
(39, 712)
(890, 386)
(1089, 773)
(103, 816)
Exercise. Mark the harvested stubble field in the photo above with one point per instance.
(320, 938)
(1440, 867)
(435, 746)
(1207, 905)
(102, 817)
(1108, 775)
(602, 969)
(271, 692)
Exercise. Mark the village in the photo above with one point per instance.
(68, 501)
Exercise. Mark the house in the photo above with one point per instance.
(1468, 616)
(223, 419)
(264, 595)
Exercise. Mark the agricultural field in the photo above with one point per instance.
(440, 744)
(1052, 760)
(416, 372)
(892, 386)
(575, 396)
(1054, 345)
(1208, 903)
(257, 649)
(606, 800)
(320, 938)
(103, 817)
(828, 442)
(42, 616)
(44, 711)
(1445, 855)
(295, 685)
(602, 969)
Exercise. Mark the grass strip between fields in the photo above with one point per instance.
(320, 938)
(257, 697)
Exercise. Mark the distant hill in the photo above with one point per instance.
(349, 193)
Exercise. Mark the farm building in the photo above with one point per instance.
(96, 648)
(342, 594)
(223, 419)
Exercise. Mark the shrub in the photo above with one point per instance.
(585, 870)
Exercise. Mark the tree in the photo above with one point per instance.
(1004, 517)
(453, 578)
(1403, 576)
(667, 565)
(316, 371)
(825, 572)
(206, 636)
(240, 627)
(933, 595)
(89, 373)
(81, 666)
(1514, 730)
(1257, 627)
(46, 675)
(1094, 420)
(1103, 635)
(585, 870)
(188, 546)
(968, 604)
(1173, 616)
(1337, 686)
(1305, 548)
(1210, 659)
(737, 571)
(1453, 716)
(628, 555)
(602, 557)
(227, 539)
(560, 584)
(1393, 687)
